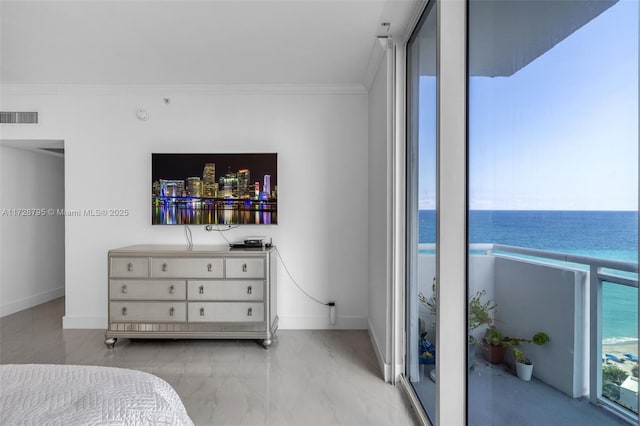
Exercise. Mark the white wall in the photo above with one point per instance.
(380, 184)
(31, 247)
(320, 135)
(533, 297)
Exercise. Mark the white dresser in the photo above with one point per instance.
(159, 291)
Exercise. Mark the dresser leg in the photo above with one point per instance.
(267, 343)
(110, 342)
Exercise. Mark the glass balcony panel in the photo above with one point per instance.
(553, 211)
(619, 345)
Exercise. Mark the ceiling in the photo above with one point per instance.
(506, 36)
(179, 42)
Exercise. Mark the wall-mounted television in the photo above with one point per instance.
(219, 189)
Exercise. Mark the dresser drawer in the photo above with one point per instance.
(225, 290)
(148, 311)
(147, 290)
(129, 267)
(245, 267)
(187, 268)
(226, 312)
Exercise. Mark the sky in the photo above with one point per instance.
(559, 134)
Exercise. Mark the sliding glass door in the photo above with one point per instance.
(553, 211)
(549, 218)
(421, 312)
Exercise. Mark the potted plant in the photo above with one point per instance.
(494, 344)
(524, 366)
(479, 315)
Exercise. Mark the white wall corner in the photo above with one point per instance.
(31, 301)
(385, 367)
(375, 59)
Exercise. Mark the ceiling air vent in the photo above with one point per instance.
(14, 117)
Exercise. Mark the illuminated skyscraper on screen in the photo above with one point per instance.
(244, 178)
(266, 186)
(209, 180)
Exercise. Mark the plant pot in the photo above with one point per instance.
(493, 354)
(524, 371)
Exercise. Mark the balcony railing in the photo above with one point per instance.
(599, 271)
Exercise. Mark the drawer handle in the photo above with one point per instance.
(124, 288)
(249, 290)
(209, 267)
(171, 311)
(201, 312)
(244, 267)
(164, 267)
(124, 311)
(249, 312)
(130, 267)
(201, 289)
(172, 290)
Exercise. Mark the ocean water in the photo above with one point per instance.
(604, 234)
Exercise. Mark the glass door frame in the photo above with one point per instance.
(451, 210)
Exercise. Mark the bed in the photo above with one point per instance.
(37, 394)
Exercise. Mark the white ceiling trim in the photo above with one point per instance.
(194, 90)
(38, 146)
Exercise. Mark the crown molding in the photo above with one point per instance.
(192, 90)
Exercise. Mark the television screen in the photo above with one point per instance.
(203, 189)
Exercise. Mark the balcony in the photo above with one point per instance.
(561, 294)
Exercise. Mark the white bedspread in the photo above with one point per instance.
(34, 394)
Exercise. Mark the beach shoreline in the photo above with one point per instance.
(619, 349)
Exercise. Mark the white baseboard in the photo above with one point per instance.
(284, 323)
(321, 323)
(385, 367)
(31, 301)
(69, 322)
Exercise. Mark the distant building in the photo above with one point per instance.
(194, 186)
(266, 186)
(209, 185)
(629, 391)
(244, 177)
(228, 186)
(171, 188)
(155, 189)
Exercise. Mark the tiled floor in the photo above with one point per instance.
(307, 378)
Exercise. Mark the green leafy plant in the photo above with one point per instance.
(432, 302)
(495, 338)
(539, 339)
(479, 311)
(520, 356)
(613, 374)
